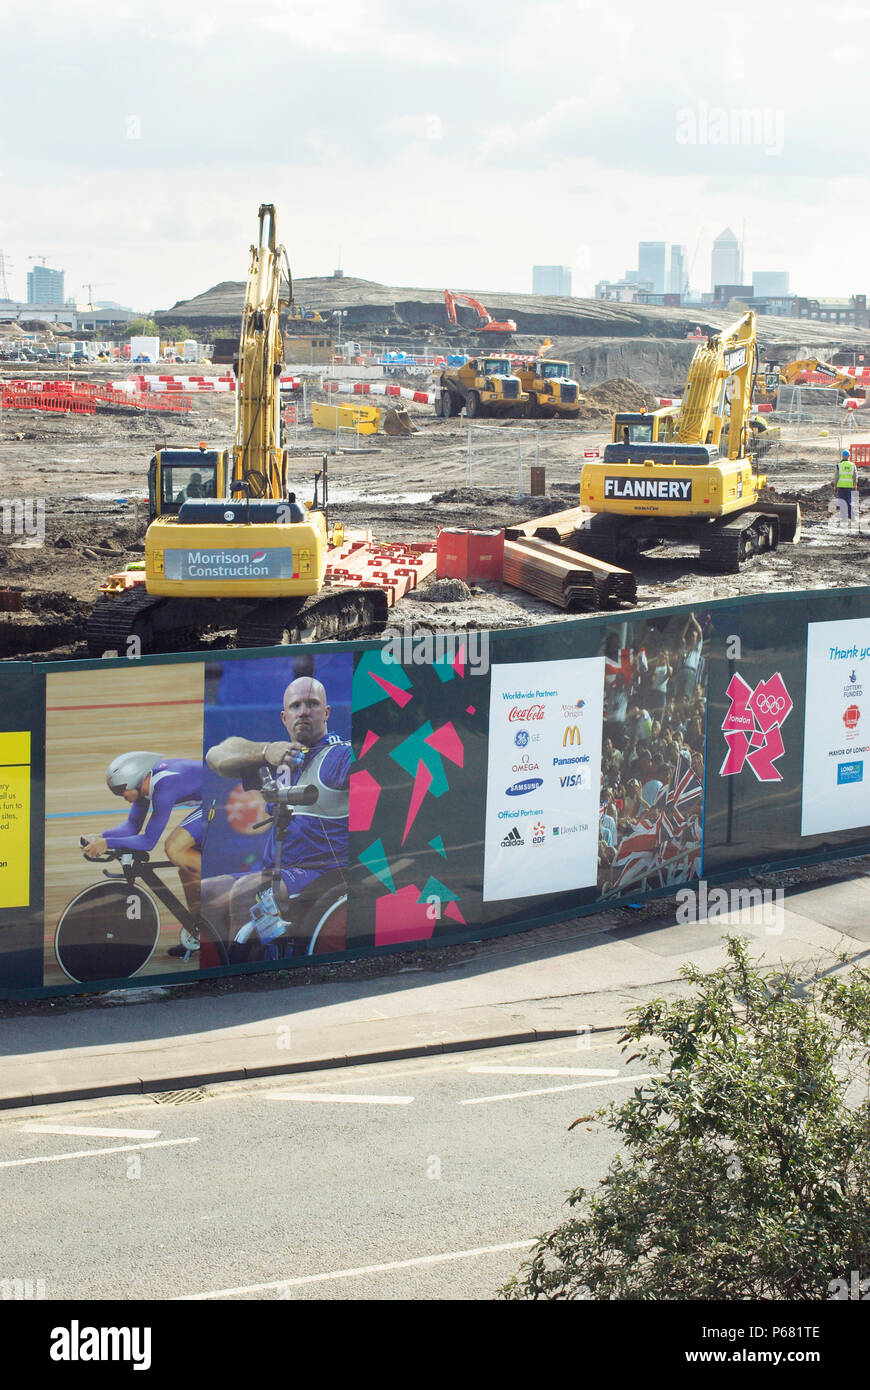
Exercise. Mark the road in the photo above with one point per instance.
(277, 1189)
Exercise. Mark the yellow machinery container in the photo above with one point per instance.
(346, 415)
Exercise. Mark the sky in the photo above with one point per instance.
(446, 144)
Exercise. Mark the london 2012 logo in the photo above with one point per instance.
(752, 728)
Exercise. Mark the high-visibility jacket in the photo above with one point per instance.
(847, 475)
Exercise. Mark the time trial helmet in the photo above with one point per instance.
(129, 770)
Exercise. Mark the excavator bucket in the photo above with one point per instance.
(397, 421)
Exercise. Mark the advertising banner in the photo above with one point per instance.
(543, 777)
(836, 792)
(237, 810)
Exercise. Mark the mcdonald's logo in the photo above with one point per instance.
(571, 736)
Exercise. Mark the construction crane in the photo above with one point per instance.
(227, 545)
(90, 286)
(487, 323)
(692, 479)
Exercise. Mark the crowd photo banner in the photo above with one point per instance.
(235, 811)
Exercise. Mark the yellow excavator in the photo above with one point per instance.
(228, 546)
(697, 485)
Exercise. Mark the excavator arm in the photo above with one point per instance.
(707, 407)
(258, 459)
(487, 323)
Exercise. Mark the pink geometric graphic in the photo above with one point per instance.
(422, 783)
(447, 741)
(762, 760)
(401, 697)
(469, 709)
(751, 728)
(364, 793)
(770, 702)
(368, 742)
(451, 910)
(738, 747)
(459, 663)
(738, 716)
(399, 917)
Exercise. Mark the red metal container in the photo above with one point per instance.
(452, 562)
(485, 554)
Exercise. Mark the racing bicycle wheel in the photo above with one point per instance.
(108, 932)
(327, 922)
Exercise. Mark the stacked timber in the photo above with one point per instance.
(564, 577)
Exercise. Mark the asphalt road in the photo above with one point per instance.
(306, 1188)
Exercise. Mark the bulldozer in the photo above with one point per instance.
(689, 475)
(228, 546)
(484, 385)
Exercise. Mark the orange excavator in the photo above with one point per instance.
(487, 323)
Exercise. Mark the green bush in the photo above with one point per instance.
(746, 1167)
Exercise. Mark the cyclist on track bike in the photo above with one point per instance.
(150, 782)
(317, 838)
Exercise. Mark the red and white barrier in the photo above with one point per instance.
(379, 388)
(669, 400)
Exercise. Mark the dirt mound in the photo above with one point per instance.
(617, 394)
(815, 502)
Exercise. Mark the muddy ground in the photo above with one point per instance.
(90, 473)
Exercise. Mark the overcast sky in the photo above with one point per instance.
(445, 144)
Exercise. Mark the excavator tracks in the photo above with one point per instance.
(172, 625)
(118, 617)
(338, 616)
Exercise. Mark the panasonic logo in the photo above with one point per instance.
(661, 489)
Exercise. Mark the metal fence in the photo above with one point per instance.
(501, 455)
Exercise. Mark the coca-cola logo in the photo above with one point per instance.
(525, 712)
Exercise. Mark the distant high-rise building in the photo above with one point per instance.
(651, 264)
(678, 278)
(725, 261)
(769, 282)
(551, 279)
(44, 286)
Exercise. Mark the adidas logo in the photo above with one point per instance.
(513, 838)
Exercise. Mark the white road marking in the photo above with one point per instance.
(355, 1273)
(88, 1131)
(544, 1071)
(550, 1090)
(328, 1097)
(92, 1153)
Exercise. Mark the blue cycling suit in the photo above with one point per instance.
(174, 781)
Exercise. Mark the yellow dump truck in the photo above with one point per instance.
(484, 385)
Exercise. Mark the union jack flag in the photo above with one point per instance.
(668, 832)
(676, 804)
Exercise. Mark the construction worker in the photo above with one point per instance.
(847, 487)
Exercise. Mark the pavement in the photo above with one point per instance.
(577, 978)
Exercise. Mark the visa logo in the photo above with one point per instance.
(574, 779)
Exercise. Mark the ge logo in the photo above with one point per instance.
(770, 704)
(228, 516)
(521, 738)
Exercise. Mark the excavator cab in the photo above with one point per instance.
(644, 427)
(176, 476)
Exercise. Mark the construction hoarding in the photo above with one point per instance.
(440, 789)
